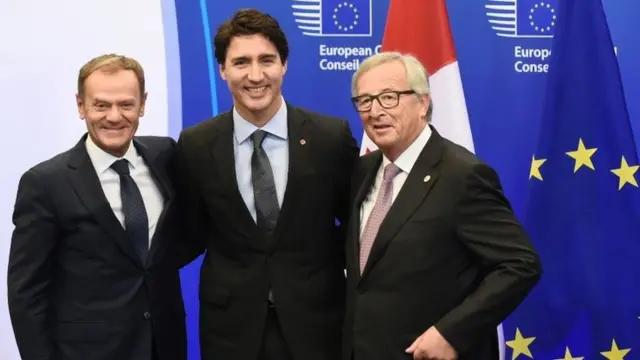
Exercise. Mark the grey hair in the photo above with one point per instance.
(417, 75)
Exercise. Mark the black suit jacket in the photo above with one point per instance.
(303, 263)
(450, 254)
(76, 288)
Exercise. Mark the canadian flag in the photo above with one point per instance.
(421, 28)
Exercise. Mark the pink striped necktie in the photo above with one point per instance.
(380, 209)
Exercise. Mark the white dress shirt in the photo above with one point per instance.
(110, 181)
(405, 162)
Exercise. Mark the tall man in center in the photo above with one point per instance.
(262, 187)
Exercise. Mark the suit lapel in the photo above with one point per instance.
(423, 176)
(364, 182)
(86, 183)
(158, 170)
(157, 167)
(300, 145)
(220, 146)
(222, 153)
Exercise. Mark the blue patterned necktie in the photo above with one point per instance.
(136, 223)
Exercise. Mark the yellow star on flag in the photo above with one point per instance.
(626, 174)
(520, 345)
(582, 156)
(615, 353)
(535, 168)
(568, 356)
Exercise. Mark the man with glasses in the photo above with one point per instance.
(436, 259)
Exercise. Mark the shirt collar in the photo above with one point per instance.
(277, 126)
(408, 158)
(102, 160)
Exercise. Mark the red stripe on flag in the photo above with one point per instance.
(420, 28)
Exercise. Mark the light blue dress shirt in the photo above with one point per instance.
(275, 145)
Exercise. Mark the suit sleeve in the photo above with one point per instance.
(489, 229)
(347, 158)
(190, 240)
(30, 270)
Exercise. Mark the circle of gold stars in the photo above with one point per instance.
(354, 10)
(520, 346)
(583, 157)
(537, 8)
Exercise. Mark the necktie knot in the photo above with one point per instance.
(258, 137)
(121, 167)
(390, 172)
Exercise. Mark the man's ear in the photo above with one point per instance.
(425, 103)
(80, 105)
(221, 71)
(143, 103)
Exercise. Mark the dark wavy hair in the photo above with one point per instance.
(250, 22)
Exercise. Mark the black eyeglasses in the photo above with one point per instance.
(387, 99)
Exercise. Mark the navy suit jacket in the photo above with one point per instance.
(76, 288)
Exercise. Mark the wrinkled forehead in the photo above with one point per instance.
(384, 77)
(112, 86)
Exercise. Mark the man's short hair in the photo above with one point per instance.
(110, 63)
(247, 22)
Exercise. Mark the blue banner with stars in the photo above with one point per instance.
(582, 211)
(503, 48)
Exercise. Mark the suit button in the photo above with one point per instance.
(147, 315)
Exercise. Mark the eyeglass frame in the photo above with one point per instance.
(377, 98)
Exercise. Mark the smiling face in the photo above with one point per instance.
(254, 72)
(395, 128)
(111, 105)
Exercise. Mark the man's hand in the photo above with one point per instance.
(432, 346)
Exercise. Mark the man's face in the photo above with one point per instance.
(111, 106)
(391, 129)
(253, 71)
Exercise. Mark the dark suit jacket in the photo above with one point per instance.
(303, 263)
(76, 288)
(449, 253)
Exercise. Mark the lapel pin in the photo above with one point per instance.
(427, 178)
(303, 141)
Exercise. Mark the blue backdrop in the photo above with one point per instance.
(503, 74)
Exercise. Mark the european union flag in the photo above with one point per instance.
(346, 17)
(583, 213)
(536, 17)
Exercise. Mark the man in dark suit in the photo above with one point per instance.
(90, 274)
(262, 186)
(436, 259)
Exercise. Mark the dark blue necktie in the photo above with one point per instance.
(264, 188)
(136, 223)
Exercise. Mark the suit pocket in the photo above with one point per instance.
(85, 331)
